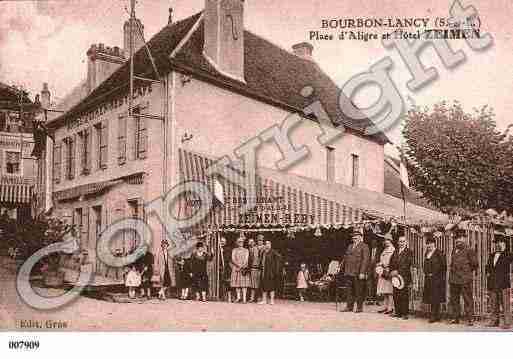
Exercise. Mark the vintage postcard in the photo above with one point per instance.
(231, 165)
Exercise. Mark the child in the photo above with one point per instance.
(303, 278)
(184, 278)
(132, 281)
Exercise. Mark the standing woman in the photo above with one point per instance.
(435, 269)
(384, 280)
(199, 260)
(240, 272)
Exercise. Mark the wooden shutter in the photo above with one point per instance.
(104, 144)
(122, 138)
(57, 155)
(105, 133)
(1, 162)
(89, 156)
(143, 139)
(84, 235)
(73, 156)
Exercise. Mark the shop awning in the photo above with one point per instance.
(319, 202)
(84, 190)
(16, 190)
(279, 202)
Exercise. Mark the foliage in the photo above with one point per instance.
(459, 161)
(39, 233)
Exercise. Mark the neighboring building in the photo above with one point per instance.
(220, 86)
(17, 166)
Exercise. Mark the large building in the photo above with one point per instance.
(218, 86)
(18, 168)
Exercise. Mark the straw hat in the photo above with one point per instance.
(398, 282)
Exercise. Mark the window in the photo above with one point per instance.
(70, 158)
(57, 152)
(102, 136)
(122, 139)
(355, 169)
(12, 162)
(330, 164)
(85, 159)
(136, 210)
(140, 134)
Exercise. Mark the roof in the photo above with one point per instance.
(271, 73)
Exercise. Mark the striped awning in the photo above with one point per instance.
(16, 192)
(84, 190)
(297, 200)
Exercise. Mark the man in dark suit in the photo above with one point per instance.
(497, 270)
(356, 262)
(401, 263)
(435, 269)
(461, 275)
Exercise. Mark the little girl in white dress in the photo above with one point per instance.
(302, 280)
(132, 281)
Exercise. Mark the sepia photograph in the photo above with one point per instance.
(255, 166)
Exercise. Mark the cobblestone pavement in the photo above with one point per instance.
(86, 314)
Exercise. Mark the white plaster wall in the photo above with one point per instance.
(220, 121)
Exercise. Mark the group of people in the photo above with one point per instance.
(256, 268)
(393, 270)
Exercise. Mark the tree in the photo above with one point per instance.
(40, 233)
(458, 160)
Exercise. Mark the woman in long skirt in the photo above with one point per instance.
(384, 280)
(240, 279)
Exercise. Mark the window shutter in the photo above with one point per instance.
(122, 138)
(73, 156)
(89, 149)
(1, 162)
(84, 235)
(105, 133)
(64, 158)
(143, 140)
(57, 153)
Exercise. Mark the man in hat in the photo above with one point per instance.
(461, 275)
(355, 265)
(271, 272)
(497, 270)
(435, 268)
(400, 265)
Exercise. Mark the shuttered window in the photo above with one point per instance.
(103, 143)
(70, 157)
(57, 152)
(141, 135)
(85, 156)
(122, 139)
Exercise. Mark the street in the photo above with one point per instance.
(86, 314)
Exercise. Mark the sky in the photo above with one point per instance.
(46, 41)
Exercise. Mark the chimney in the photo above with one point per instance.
(224, 36)
(102, 61)
(170, 16)
(45, 96)
(132, 25)
(303, 50)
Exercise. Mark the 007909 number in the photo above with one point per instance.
(24, 344)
